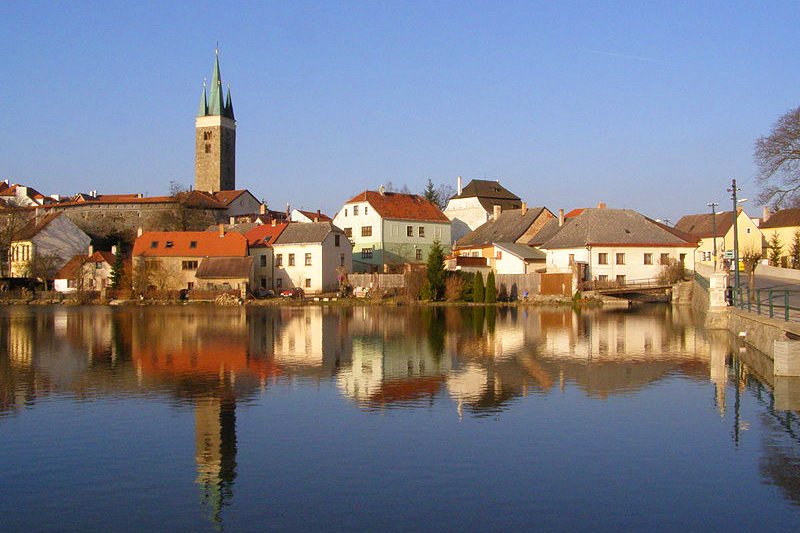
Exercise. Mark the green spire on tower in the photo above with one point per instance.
(216, 105)
(203, 110)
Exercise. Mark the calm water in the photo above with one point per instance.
(378, 419)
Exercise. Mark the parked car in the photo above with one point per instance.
(294, 292)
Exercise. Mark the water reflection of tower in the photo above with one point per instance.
(215, 451)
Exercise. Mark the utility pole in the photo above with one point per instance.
(713, 206)
(733, 190)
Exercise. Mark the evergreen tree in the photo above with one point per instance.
(477, 288)
(436, 272)
(431, 194)
(794, 251)
(491, 292)
(117, 269)
(775, 249)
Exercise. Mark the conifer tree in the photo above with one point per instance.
(117, 269)
(794, 251)
(436, 272)
(477, 288)
(491, 292)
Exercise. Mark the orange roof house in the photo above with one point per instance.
(170, 260)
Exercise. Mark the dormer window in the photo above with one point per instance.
(192, 244)
(169, 244)
(154, 244)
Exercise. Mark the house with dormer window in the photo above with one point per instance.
(204, 260)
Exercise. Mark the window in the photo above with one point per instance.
(748, 230)
(341, 259)
(190, 285)
(291, 260)
(366, 253)
(208, 148)
(355, 210)
(188, 265)
(602, 259)
(278, 283)
(366, 210)
(664, 259)
(621, 280)
(437, 232)
(498, 255)
(620, 259)
(648, 259)
(410, 231)
(153, 244)
(336, 240)
(366, 231)
(602, 277)
(263, 283)
(345, 212)
(263, 260)
(422, 231)
(418, 254)
(348, 232)
(98, 264)
(192, 244)
(207, 135)
(308, 260)
(308, 283)
(279, 260)
(169, 244)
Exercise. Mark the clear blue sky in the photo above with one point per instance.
(650, 106)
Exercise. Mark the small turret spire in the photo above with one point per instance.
(203, 110)
(228, 104)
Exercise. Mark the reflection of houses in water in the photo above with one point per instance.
(392, 370)
(310, 341)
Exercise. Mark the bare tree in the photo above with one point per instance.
(44, 267)
(182, 216)
(750, 258)
(778, 159)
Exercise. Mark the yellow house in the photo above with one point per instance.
(784, 223)
(710, 228)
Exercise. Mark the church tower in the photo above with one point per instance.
(215, 138)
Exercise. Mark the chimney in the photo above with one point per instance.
(274, 222)
(318, 217)
(496, 212)
(458, 184)
(91, 250)
(37, 213)
(601, 205)
(765, 214)
(524, 208)
(93, 194)
(288, 210)
(139, 231)
(56, 197)
(262, 209)
(222, 230)
(114, 250)
(232, 221)
(139, 195)
(560, 217)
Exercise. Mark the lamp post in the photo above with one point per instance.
(713, 206)
(733, 190)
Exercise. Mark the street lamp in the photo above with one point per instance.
(713, 206)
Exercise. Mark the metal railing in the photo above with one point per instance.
(775, 303)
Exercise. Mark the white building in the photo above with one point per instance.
(310, 255)
(389, 229)
(614, 246)
(474, 205)
(53, 238)
(298, 215)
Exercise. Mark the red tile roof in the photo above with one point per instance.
(400, 206)
(190, 244)
(70, 270)
(264, 235)
(311, 215)
(226, 197)
(784, 218)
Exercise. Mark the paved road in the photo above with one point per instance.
(778, 287)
